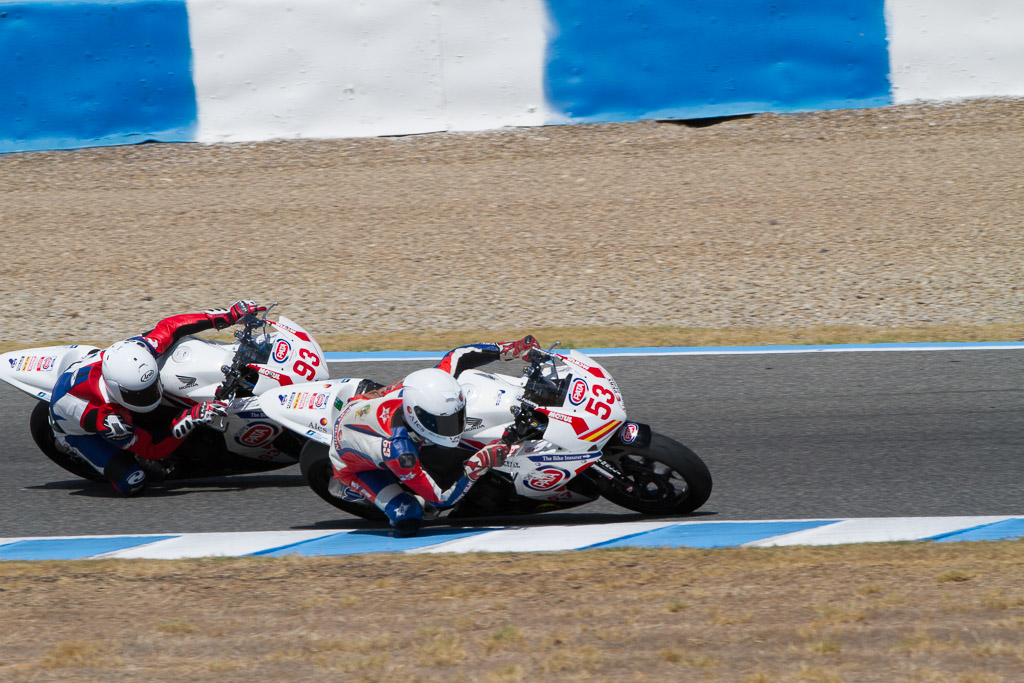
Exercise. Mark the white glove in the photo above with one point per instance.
(491, 455)
(115, 428)
(200, 413)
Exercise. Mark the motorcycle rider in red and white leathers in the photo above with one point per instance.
(93, 402)
(375, 451)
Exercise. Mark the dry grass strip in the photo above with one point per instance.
(879, 612)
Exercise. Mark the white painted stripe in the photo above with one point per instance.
(226, 544)
(877, 530)
(433, 356)
(767, 350)
(541, 539)
(15, 539)
(949, 49)
(493, 61)
(264, 69)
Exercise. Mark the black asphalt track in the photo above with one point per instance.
(861, 434)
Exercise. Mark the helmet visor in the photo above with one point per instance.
(141, 398)
(444, 425)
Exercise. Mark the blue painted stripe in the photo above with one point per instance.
(372, 541)
(71, 548)
(632, 59)
(1000, 531)
(361, 356)
(715, 535)
(77, 74)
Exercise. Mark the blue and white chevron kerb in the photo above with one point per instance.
(444, 539)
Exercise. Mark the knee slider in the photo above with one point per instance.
(125, 474)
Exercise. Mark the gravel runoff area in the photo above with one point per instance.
(903, 216)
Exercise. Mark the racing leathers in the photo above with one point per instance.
(376, 456)
(87, 421)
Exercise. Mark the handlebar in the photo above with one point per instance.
(539, 390)
(249, 351)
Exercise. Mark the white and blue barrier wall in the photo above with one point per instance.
(86, 73)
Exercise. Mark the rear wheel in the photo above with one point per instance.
(42, 434)
(666, 478)
(315, 464)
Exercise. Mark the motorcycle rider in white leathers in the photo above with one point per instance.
(94, 400)
(375, 451)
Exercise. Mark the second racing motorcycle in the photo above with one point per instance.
(265, 355)
(566, 420)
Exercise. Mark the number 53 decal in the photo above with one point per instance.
(600, 404)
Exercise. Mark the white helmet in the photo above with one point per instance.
(434, 406)
(132, 376)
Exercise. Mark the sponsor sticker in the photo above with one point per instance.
(568, 457)
(282, 350)
(266, 372)
(255, 434)
(337, 434)
(578, 391)
(321, 399)
(546, 478)
(148, 375)
(596, 372)
(629, 432)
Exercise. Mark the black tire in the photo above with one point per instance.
(42, 434)
(668, 478)
(315, 464)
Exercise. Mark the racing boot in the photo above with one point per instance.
(407, 526)
(156, 471)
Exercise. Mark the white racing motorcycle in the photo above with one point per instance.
(564, 415)
(265, 355)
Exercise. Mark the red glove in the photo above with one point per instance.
(244, 307)
(491, 455)
(200, 413)
(224, 317)
(518, 349)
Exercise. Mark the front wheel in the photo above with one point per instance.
(315, 463)
(665, 478)
(42, 434)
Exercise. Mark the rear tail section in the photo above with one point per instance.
(35, 371)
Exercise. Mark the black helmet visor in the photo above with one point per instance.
(445, 425)
(141, 397)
